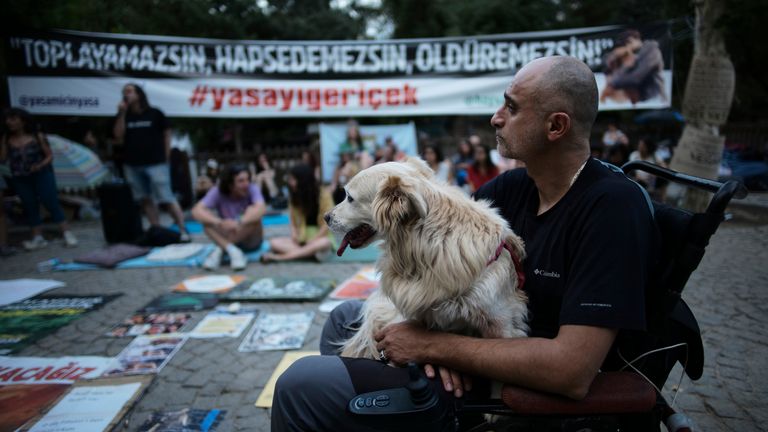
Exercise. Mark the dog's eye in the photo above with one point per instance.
(349, 198)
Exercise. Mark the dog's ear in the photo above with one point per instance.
(397, 202)
(420, 166)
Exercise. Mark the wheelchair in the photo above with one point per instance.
(629, 399)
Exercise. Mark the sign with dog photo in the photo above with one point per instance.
(196, 77)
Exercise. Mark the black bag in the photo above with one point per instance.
(120, 215)
(159, 236)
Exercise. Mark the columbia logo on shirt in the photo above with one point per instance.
(545, 273)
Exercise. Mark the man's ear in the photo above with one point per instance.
(558, 125)
(397, 203)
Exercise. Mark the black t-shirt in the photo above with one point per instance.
(145, 137)
(589, 256)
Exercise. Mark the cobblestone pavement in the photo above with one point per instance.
(728, 293)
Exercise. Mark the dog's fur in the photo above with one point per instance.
(435, 263)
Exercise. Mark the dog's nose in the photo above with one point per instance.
(327, 218)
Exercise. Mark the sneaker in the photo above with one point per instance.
(69, 239)
(237, 258)
(213, 260)
(184, 237)
(36, 243)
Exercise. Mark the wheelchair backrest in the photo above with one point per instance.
(684, 237)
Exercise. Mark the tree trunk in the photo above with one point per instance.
(707, 101)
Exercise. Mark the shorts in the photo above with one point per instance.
(150, 181)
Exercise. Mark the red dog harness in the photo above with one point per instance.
(515, 260)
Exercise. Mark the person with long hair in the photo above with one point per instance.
(307, 205)
(231, 214)
(30, 158)
(482, 169)
(433, 155)
(146, 135)
(461, 161)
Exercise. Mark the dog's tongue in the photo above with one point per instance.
(343, 246)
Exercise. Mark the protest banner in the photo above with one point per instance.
(81, 73)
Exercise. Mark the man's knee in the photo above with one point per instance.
(311, 394)
(341, 325)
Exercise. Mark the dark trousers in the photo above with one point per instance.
(37, 188)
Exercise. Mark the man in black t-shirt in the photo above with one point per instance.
(589, 236)
(145, 132)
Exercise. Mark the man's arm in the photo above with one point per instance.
(167, 143)
(119, 129)
(254, 213)
(648, 61)
(204, 215)
(565, 365)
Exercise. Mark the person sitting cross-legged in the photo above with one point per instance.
(231, 214)
(308, 204)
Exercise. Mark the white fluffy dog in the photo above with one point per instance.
(448, 262)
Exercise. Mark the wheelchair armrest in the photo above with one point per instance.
(610, 393)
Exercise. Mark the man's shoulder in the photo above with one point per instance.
(611, 186)
(512, 181)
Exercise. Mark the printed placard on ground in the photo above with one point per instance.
(44, 370)
(217, 284)
(280, 289)
(359, 286)
(266, 395)
(91, 406)
(24, 322)
(20, 403)
(277, 331)
(187, 419)
(146, 354)
(179, 302)
(150, 323)
(222, 324)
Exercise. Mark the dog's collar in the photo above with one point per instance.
(515, 260)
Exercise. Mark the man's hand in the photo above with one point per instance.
(452, 380)
(229, 226)
(407, 341)
(121, 107)
(403, 342)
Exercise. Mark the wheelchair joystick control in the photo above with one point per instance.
(421, 392)
(414, 407)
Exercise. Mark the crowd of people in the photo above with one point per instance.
(224, 197)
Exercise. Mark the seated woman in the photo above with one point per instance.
(231, 215)
(307, 205)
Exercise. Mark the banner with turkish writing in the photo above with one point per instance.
(80, 73)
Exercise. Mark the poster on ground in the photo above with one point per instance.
(150, 323)
(146, 354)
(45, 370)
(179, 302)
(222, 324)
(280, 289)
(20, 403)
(359, 286)
(277, 331)
(266, 395)
(184, 420)
(91, 406)
(24, 322)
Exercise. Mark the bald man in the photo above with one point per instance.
(589, 237)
